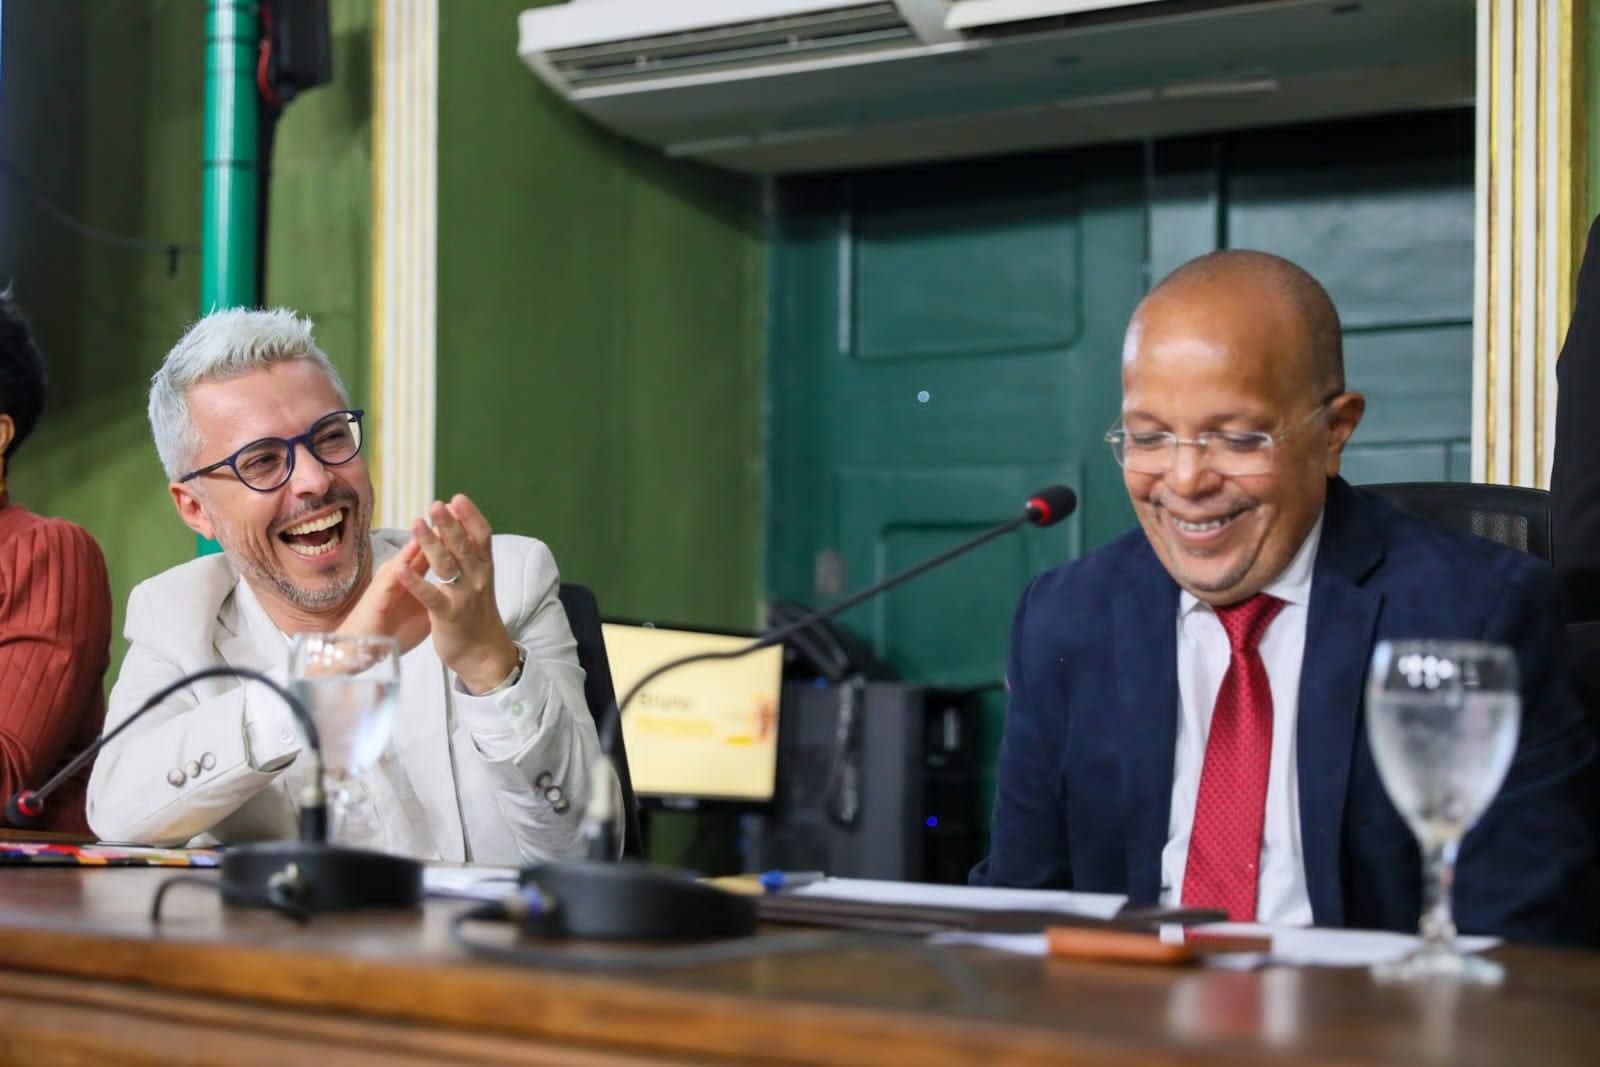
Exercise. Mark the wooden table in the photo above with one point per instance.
(86, 979)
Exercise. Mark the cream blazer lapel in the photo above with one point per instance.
(246, 636)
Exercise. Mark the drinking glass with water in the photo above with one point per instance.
(349, 686)
(1442, 720)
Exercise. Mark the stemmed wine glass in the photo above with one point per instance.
(1442, 720)
(349, 685)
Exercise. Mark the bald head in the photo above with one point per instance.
(1228, 289)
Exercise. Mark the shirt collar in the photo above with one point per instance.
(1293, 583)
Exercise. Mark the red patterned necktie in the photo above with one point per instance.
(1224, 865)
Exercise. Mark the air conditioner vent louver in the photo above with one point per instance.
(1089, 18)
(835, 30)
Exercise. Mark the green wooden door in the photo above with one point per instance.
(945, 338)
(945, 341)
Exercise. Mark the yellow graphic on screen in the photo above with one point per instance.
(706, 730)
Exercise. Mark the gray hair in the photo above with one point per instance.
(225, 344)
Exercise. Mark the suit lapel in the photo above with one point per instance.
(246, 635)
(1146, 650)
(1340, 623)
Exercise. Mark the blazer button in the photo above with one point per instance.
(557, 799)
(543, 781)
(192, 768)
(176, 777)
(209, 760)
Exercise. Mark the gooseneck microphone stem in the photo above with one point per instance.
(633, 902)
(25, 806)
(296, 878)
(1045, 508)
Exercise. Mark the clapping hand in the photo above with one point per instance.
(387, 607)
(467, 629)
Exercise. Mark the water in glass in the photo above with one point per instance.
(350, 686)
(1442, 720)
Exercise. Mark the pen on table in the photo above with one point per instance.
(777, 881)
(1174, 946)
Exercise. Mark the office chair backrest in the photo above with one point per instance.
(1506, 514)
(583, 615)
(1518, 518)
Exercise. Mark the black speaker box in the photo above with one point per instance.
(875, 780)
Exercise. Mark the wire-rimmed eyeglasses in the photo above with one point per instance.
(1231, 453)
(265, 464)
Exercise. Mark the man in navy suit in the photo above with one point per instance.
(1185, 721)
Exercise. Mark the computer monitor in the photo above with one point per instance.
(707, 731)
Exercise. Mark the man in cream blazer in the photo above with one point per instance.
(493, 743)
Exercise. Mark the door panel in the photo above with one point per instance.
(953, 623)
(947, 269)
(1381, 213)
(942, 347)
(1418, 383)
(1376, 211)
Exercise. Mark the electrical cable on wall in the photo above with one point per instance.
(39, 199)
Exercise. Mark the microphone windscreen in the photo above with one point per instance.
(1050, 505)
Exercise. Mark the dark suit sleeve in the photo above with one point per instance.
(1575, 480)
(1028, 838)
(1527, 870)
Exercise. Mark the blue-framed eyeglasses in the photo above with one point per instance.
(266, 464)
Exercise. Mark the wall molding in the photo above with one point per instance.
(405, 148)
(1531, 177)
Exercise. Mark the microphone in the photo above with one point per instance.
(632, 901)
(25, 807)
(1046, 507)
(296, 877)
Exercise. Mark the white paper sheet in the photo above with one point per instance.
(468, 883)
(1291, 946)
(1093, 905)
(1312, 947)
(1017, 944)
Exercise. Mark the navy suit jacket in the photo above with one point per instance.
(1086, 763)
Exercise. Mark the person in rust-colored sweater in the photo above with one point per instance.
(55, 611)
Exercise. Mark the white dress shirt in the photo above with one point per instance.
(1203, 657)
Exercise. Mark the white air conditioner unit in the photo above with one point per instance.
(782, 86)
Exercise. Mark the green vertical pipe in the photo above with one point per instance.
(228, 236)
(228, 215)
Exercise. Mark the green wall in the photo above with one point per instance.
(319, 230)
(599, 308)
(101, 104)
(100, 107)
(599, 339)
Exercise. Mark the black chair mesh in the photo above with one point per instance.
(1509, 515)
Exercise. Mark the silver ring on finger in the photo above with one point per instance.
(451, 580)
